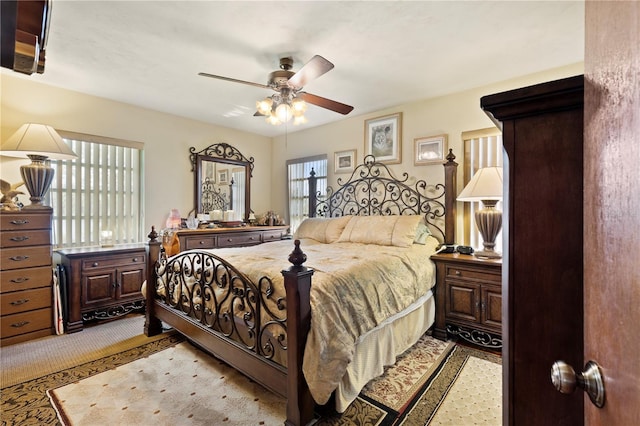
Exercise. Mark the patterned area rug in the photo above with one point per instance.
(109, 391)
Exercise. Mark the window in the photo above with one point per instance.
(482, 148)
(298, 172)
(98, 191)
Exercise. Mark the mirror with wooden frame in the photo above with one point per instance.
(222, 177)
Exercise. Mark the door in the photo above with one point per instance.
(612, 208)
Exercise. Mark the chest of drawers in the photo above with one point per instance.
(103, 283)
(26, 292)
(226, 237)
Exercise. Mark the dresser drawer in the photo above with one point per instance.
(239, 239)
(199, 242)
(28, 300)
(26, 322)
(25, 238)
(113, 261)
(272, 236)
(18, 221)
(16, 258)
(462, 273)
(24, 279)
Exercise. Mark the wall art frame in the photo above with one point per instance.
(429, 150)
(344, 161)
(383, 138)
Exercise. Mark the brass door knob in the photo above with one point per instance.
(565, 380)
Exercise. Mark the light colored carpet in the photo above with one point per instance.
(25, 361)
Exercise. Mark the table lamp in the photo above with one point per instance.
(38, 142)
(486, 186)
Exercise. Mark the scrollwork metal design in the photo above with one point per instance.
(372, 189)
(211, 291)
(213, 198)
(220, 150)
(477, 337)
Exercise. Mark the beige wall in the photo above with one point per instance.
(451, 115)
(167, 138)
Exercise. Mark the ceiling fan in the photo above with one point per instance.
(288, 86)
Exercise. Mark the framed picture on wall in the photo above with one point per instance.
(223, 177)
(430, 150)
(383, 138)
(345, 161)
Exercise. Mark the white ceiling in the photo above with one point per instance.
(149, 53)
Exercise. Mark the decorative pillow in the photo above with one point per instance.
(382, 230)
(422, 232)
(324, 230)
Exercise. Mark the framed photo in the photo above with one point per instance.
(345, 161)
(223, 177)
(383, 138)
(430, 150)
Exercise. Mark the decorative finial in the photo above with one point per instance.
(297, 257)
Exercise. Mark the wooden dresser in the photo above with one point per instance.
(26, 292)
(188, 239)
(103, 282)
(469, 298)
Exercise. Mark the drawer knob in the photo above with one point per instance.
(229, 239)
(201, 242)
(135, 259)
(94, 264)
(458, 272)
(19, 222)
(20, 280)
(19, 302)
(20, 238)
(19, 258)
(19, 324)
(252, 238)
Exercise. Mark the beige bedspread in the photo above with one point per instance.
(354, 288)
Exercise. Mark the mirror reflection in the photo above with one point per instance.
(222, 183)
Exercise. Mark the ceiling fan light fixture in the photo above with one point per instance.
(298, 106)
(284, 112)
(264, 106)
(273, 119)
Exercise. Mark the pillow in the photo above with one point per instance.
(397, 231)
(422, 232)
(324, 230)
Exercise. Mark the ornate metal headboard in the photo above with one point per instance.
(373, 190)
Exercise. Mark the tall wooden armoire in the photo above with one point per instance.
(542, 131)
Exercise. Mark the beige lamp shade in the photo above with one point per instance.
(37, 142)
(37, 139)
(486, 184)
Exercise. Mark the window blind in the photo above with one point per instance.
(100, 190)
(298, 172)
(482, 148)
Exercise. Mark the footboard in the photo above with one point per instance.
(239, 321)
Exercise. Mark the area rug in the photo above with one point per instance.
(398, 396)
(465, 390)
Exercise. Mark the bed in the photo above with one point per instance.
(305, 332)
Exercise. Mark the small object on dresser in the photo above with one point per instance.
(464, 250)
(106, 238)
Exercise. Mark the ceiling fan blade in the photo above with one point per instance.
(325, 103)
(310, 71)
(258, 114)
(234, 80)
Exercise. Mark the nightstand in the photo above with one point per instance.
(103, 283)
(469, 299)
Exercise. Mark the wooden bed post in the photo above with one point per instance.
(152, 325)
(297, 283)
(450, 188)
(313, 196)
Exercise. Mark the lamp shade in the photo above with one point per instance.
(486, 184)
(37, 139)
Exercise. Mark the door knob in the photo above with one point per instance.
(565, 380)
